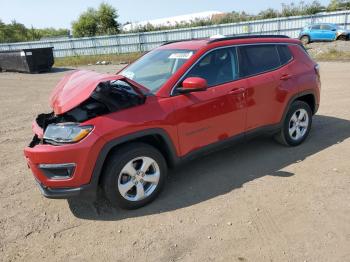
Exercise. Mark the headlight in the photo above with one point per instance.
(66, 132)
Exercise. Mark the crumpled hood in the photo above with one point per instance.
(75, 88)
(342, 31)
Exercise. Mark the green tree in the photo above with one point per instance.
(13, 32)
(33, 34)
(107, 20)
(2, 31)
(51, 32)
(301, 8)
(313, 8)
(268, 13)
(96, 22)
(86, 25)
(338, 5)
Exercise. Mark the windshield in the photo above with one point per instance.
(155, 68)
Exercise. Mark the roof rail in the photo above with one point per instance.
(183, 40)
(246, 37)
(171, 42)
(226, 38)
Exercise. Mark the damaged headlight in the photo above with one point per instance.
(66, 132)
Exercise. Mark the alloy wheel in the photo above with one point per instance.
(298, 124)
(139, 178)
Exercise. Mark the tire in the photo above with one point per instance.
(299, 117)
(305, 39)
(124, 178)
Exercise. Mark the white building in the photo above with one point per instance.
(171, 21)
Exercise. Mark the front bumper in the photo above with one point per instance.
(52, 182)
(86, 191)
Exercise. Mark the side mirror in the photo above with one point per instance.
(334, 29)
(193, 84)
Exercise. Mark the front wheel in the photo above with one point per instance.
(305, 39)
(134, 175)
(297, 124)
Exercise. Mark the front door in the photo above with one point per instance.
(316, 32)
(218, 113)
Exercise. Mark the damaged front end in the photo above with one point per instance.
(107, 97)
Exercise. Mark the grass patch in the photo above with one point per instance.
(92, 59)
(331, 55)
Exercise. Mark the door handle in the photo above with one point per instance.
(285, 77)
(237, 91)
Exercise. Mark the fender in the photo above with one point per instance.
(172, 155)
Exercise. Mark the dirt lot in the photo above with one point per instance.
(258, 201)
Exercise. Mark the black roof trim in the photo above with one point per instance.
(183, 40)
(245, 37)
(171, 42)
(226, 38)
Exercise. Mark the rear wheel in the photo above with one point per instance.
(297, 124)
(134, 176)
(305, 39)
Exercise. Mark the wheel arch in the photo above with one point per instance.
(308, 35)
(308, 97)
(341, 35)
(156, 137)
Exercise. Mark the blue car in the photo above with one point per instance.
(323, 32)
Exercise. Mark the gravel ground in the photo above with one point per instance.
(318, 49)
(257, 201)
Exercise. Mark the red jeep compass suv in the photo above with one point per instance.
(123, 131)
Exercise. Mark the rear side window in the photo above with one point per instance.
(315, 27)
(284, 53)
(255, 59)
(326, 27)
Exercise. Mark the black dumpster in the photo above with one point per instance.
(34, 60)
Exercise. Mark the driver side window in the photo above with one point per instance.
(217, 67)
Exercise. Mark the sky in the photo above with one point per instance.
(60, 13)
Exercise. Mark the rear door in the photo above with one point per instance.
(218, 113)
(328, 32)
(259, 65)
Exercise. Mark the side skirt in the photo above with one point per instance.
(217, 146)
